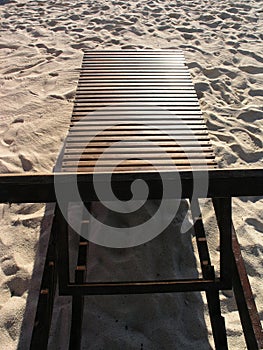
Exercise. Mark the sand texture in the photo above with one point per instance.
(40, 53)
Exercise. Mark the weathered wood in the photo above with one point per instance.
(171, 72)
(133, 143)
(126, 132)
(134, 162)
(120, 67)
(139, 138)
(143, 149)
(140, 167)
(96, 124)
(212, 296)
(43, 318)
(123, 155)
(248, 312)
(142, 287)
(223, 211)
(130, 93)
(143, 114)
(121, 87)
(138, 98)
(39, 188)
(78, 301)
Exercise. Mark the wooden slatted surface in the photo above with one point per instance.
(136, 110)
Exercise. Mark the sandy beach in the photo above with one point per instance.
(41, 51)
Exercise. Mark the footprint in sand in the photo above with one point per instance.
(8, 265)
(212, 73)
(224, 137)
(254, 250)
(27, 209)
(251, 116)
(248, 138)
(11, 133)
(18, 283)
(256, 92)
(11, 313)
(26, 163)
(247, 145)
(258, 225)
(251, 54)
(29, 215)
(251, 69)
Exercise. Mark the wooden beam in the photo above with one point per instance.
(39, 188)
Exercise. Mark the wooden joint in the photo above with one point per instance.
(44, 291)
(81, 268)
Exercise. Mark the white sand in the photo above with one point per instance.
(41, 45)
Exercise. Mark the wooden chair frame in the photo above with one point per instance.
(223, 185)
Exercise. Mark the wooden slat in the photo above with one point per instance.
(127, 65)
(119, 124)
(137, 70)
(123, 122)
(97, 67)
(150, 97)
(124, 84)
(148, 113)
(129, 149)
(132, 52)
(127, 133)
(136, 53)
(133, 93)
(135, 78)
(135, 75)
(87, 127)
(141, 126)
(121, 99)
(136, 93)
(112, 107)
(144, 168)
(140, 138)
(132, 162)
(150, 58)
(137, 106)
(138, 143)
(139, 154)
(132, 89)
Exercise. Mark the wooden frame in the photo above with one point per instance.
(39, 188)
(223, 185)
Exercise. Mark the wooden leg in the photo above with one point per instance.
(245, 302)
(217, 321)
(78, 301)
(62, 249)
(43, 317)
(223, 213)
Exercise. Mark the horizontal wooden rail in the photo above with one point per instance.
(39, 188)
(142, 287)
